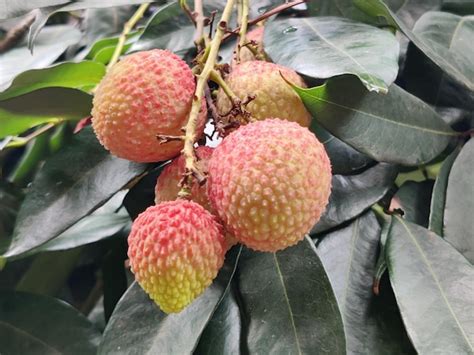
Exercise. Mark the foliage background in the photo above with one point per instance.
(395, 115)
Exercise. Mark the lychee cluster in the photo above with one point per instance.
(268, 182)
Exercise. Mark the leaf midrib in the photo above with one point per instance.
(29, 335)
(290, 310)
(435, 278)
(396, 123)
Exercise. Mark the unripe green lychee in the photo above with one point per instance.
(168, 185)
(270, 182)
(176, 249)
(144, 95)
(274, 97)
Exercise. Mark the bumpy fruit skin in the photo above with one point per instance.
(270, 182)
(167, 185)
(274, 97)
(145, 94)
(176, 249)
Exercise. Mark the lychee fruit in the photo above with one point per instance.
(274, 97)
(254, 36)
(270, 182)
(146, 94)
(176, 249)
(168, 185)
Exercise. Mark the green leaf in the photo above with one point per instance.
(153, 331)
(26, 111)
(169, 28)
(62, 193)
(102, 223)
(459, 210)
(396, 127)
(49, 46)
(34, 324)
(10, 201)
(461, 7)
(289, 303)
(433, 40)
(349, 255)
(344, 159)
(66, 75)
(433, 285)
(446, 34)
(438, 199)
(414, 199)
(329, 46)
(353, 194)
(222, 334)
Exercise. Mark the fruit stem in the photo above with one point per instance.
(267, 14)
(129, 25)
(243, 29)
(216, 77)
(190, 129)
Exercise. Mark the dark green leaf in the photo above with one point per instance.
(353, 194)
(169, 28)
(62, 193)
(49, 46)
(222, 334)
(396, 127)
(462, 7)
(10, 200)
(26, 111)
(33, 324)
(339, 8)
(66, 75)
(438, 199)
(459, 210)
(433, 285)
(433, 40)
(329, 46)
(289, 303)
(138, 326)
(345, 160)
(349, 257)
(414, 199)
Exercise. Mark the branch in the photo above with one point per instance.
(16, 33)
(129, 25)
(190, 129)
(262, 17)
(243, 29)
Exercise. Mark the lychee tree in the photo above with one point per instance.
(227, 177)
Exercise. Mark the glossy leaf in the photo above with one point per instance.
(289, 302)
(433, 43)
(49, 46)
(459, 210)
(433, 285)
(66, 75)
(26, 111)
(345, 160)
(153, 331)
(414, 199)
(10, 201)
(353, 194)
(462, 7)
(438, 200)
(396, 127)
(329, 46)
(222, 334)
(349, 255)
(169, 28)
(34, 324)
(62, 193)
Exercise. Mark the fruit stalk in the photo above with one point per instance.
(243, 28)
(190, 129)
(129, 25)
